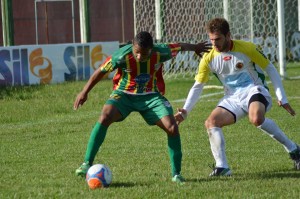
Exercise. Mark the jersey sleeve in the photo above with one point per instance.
(258, 57)
(175, 49)
(203, 71)
(107, 65)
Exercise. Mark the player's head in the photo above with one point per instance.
(142, 46)
(219, 34)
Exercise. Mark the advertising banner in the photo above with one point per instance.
(54, 63)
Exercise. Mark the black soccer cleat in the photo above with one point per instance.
(220, 172)
(295, 155)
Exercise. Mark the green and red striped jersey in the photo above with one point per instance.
(136, 77)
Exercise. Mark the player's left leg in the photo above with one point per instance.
(168, 124)
(158, 111)
(258, 105)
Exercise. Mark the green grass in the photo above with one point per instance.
(43, 141)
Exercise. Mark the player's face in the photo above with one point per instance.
(141, 54)
(219, 41)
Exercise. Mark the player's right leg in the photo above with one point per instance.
(218, 118)
(110, 114)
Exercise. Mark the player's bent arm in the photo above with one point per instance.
(94, 79)
(277, 83)
(193, 97)
(83, 95)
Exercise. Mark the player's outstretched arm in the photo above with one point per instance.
(199, 48)
(180, 115)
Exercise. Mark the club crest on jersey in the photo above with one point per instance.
(227, 58)
(239, 66)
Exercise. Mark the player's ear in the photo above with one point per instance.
(228, 35)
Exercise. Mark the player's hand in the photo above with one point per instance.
(180, 115)
(202, 47)
(80, 99)
(287, 107)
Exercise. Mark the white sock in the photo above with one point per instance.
(217, 145)
(270, 127)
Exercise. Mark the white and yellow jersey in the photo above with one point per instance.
(236, 69)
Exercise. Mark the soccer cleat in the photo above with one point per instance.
(295, 155)
(178, 179)
(83, 169)
(220, 172)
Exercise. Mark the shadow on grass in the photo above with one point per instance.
(123, 184)
(19, 92)
(278, 174)
(275, 174)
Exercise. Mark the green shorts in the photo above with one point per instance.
(152, 106)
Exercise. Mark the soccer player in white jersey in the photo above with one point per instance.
(238, 65)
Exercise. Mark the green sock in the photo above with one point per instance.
(96, 139)
(174, 146)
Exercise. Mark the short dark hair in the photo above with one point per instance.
(144, 39)
(218, 25)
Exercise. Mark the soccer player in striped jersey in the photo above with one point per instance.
(137, 86)
(239, 67)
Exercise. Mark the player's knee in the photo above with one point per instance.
(172, 130)
(105, 119)
(210, 123)
(256, 121)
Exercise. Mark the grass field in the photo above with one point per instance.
(43, 141)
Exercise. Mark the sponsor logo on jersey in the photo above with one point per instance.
(227, 58)
(141, 80)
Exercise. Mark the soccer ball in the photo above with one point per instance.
(98, 176)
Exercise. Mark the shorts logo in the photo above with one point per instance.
(167, 104)
(114, 96)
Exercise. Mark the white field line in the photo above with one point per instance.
(221, 87)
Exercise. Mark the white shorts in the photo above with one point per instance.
(238, 103)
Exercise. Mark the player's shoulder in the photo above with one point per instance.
(210, 55)
(121, 52)
(120, 55)
(243, 46)
(160, 47)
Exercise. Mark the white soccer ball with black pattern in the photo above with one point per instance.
(99, 176)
